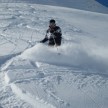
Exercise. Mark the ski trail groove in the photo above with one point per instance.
(7, 98)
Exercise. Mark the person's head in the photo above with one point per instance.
(52, 23)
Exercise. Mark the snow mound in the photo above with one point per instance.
(68, 54)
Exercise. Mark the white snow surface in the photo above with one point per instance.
(34, 75)
(100, 6)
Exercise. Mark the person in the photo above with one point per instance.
(55, 34)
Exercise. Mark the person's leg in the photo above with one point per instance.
(58, 41)
(51, 42)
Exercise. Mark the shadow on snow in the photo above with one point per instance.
(103, 2)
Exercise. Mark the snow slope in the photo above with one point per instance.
(74, 75)
(89, 5)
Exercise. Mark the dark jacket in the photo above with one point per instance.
(55, 36)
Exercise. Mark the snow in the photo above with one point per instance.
(34, 75)
(89, 5)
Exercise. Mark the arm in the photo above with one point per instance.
(57, 32)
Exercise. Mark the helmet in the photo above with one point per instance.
(52, 21)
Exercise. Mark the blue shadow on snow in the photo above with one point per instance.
(103, 2)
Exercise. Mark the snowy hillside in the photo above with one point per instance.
(89, 5)
(34, 75)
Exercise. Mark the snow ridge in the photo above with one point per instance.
(7, 98)
(95, 6)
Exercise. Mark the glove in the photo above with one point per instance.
(41, 41)
(47, 31)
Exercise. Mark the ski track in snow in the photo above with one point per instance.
(46, 85)
(7, 98)
(42, 85)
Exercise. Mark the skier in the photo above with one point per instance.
(55, 34)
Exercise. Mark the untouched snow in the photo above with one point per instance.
(74, 75)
